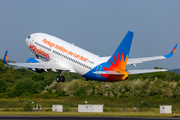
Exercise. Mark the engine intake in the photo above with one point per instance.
(33, 60)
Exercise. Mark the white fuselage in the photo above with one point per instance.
(65, 54)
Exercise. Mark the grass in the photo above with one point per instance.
(112, 107)
(104, 114)
(106, 101)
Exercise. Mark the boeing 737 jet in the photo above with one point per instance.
(63, 56)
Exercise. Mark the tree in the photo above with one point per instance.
(2, 67)
(38, 77)
(25, 86)
(3, 85)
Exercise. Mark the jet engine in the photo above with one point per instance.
(38, 70)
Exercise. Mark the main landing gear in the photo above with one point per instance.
(60, 78)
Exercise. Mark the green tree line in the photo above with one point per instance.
(22, 82)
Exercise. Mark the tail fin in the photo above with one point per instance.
(5, 58)
(119, 59)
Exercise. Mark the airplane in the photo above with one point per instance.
(62, 56)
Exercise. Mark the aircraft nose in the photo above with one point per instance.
(27, 40)
(31, 39)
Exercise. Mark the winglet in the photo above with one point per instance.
(5, 58)
(171, 53)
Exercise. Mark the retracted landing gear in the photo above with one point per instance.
(60, 78)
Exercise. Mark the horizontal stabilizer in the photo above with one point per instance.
(108, 72)
(131, 72)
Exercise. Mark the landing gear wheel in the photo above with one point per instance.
(58, 79)
(62, 78)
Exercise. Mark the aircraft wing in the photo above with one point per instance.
(141, 60)
(31, 65)
(42, 65)
(134, 61)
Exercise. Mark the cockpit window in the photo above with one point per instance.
(29, 37)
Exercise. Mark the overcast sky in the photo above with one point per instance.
(95, 25)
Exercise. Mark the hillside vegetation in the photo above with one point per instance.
(21, 83)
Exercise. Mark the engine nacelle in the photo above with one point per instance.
(33, 60)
